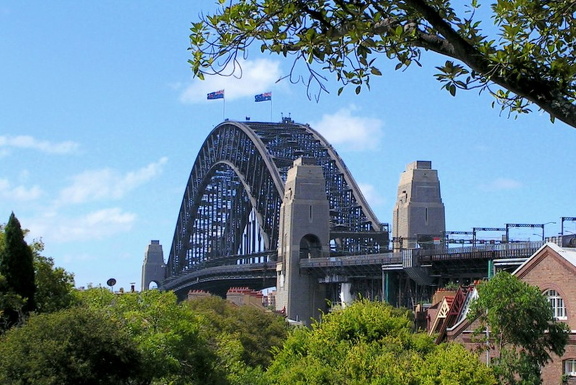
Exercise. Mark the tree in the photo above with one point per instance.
(166, 333)
(241, 336)
(10, 303)
(70, 347)
(525, 55)
(17, 267)
(517, 321)
(372, 343)
(257, 331)
(54, 285)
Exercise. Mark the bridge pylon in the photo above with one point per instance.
(304, 233)
(418, 217)
(153, 268)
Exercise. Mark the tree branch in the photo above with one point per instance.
(544, 93)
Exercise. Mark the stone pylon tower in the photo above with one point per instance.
(153, 268)
(304, 233)
(418, 218)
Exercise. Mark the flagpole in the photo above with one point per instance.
(270, 110)
(224, 108)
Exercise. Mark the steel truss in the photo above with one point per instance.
(230, 210)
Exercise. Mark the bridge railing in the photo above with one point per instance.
(233, 260)
(216, 273)
(367, 259)
(504, 250)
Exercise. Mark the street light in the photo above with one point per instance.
(530, 225)
(544, 224)
(573, 219)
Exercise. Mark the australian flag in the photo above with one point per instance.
(263, 97)
(216, 95)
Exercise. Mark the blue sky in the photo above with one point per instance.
(101, 120)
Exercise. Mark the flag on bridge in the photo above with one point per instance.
(263, 97)
(216, 95)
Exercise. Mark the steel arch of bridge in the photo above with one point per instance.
(231, 204)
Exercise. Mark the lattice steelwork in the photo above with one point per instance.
(230, 210)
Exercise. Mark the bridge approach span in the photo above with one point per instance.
(445, 265)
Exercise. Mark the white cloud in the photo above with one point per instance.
(255, 76)
(501, 184)
(94, 225)
(29, 142)
(107, 183)
(373, 197)
(357, 133)
(18, 193)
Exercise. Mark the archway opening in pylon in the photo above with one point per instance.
(310, 246)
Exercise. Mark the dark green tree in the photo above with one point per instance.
(516, 320)
(520, 51)
(257, 331)
(167, 335)
(241, 336)
(76, 346)
(54, 285)
(17, 267)
(9, 303)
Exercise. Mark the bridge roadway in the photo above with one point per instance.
(258, 271)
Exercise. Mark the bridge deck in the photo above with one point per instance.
(236, 271)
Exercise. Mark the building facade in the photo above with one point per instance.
(553, 270)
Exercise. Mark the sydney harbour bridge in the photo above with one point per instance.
(230, 211)
(228, 228)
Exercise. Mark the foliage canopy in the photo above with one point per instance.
(372, 343)
(53, 286)
(166, 334)
(74, 346)
(520, 325)
(520, 51)
(17, 268)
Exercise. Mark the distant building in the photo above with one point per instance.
(553, 269)
(269, 300)
(195, 294)
(244, 296)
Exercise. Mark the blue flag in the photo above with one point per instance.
(216, 95)
(263, 97)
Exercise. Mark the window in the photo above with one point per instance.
(557, 304)
(570, 367)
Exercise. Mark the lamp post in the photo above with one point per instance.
(573, 219)
(530, 225)
(476, 229)
(544, 224)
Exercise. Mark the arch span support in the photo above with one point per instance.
(230, 211)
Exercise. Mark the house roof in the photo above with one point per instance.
(472, 294)
(566, 255)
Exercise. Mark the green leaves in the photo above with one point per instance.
(372, 343)
(520, 324)
(17, 268)
(449, 75)
(524, 47)
(166, 333)
(75, 346)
